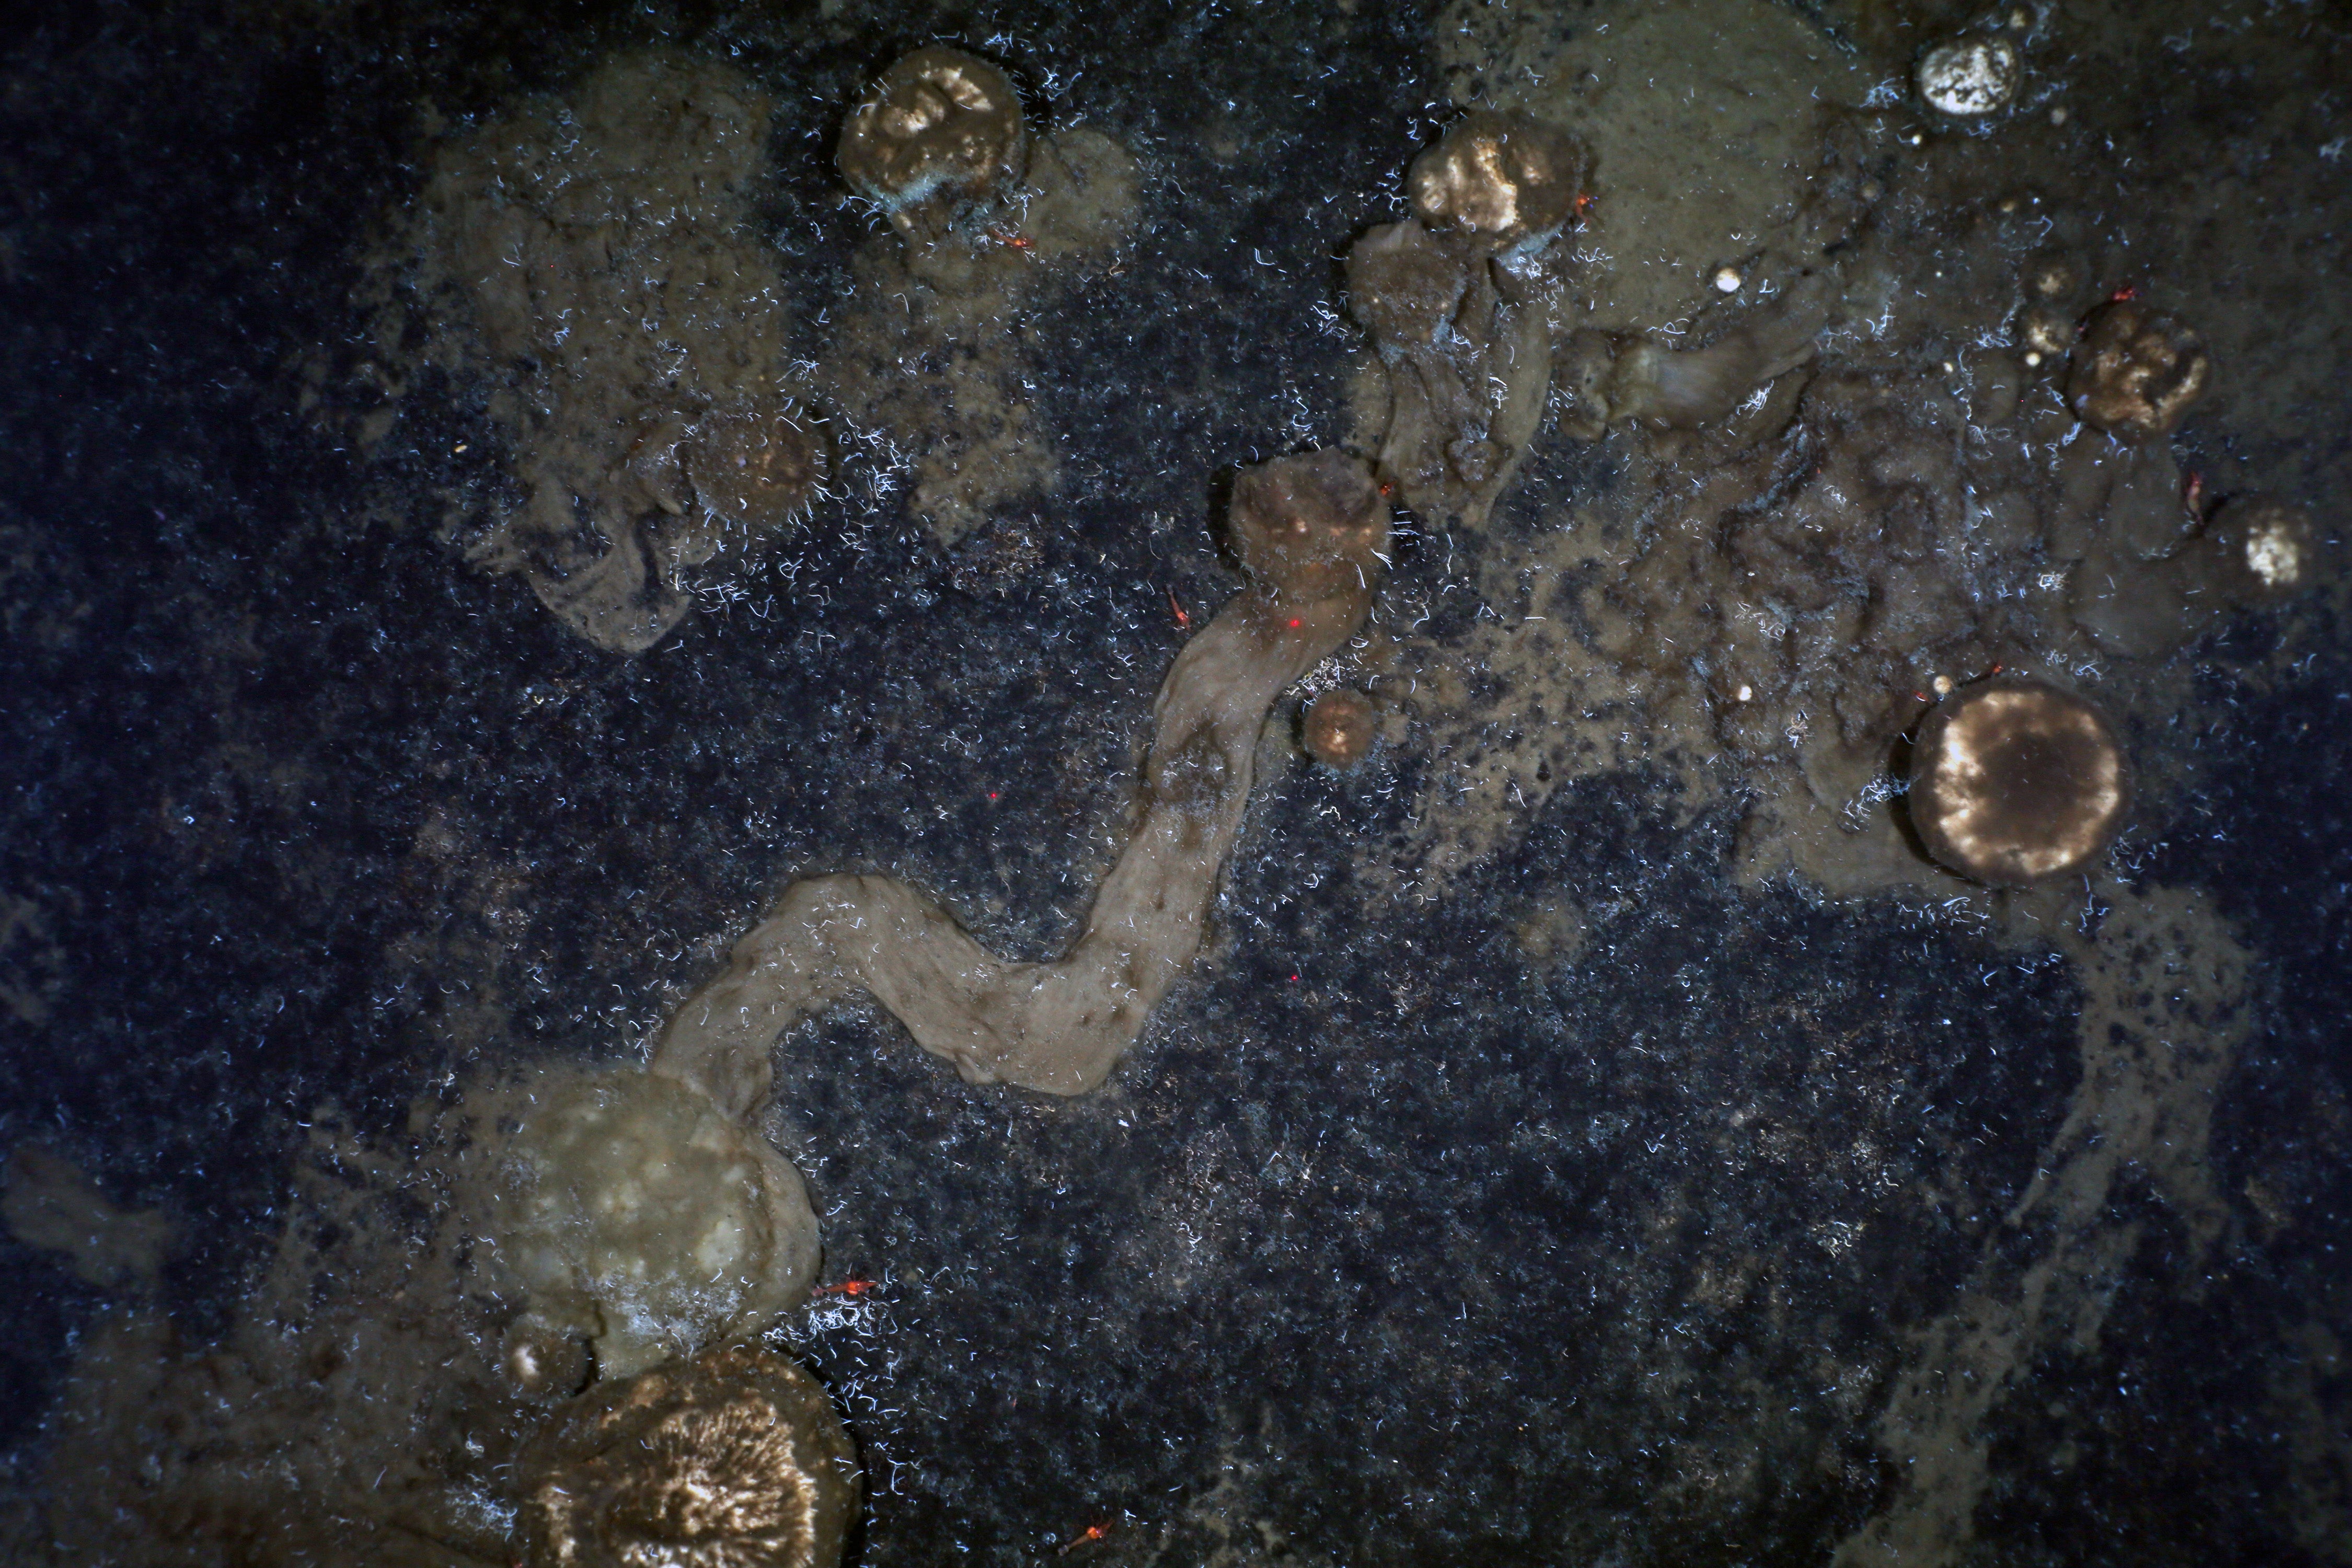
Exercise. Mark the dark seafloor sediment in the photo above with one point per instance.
(1541, 1166)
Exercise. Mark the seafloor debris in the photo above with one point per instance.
(731, 1460)
(1459, 300)
(2014, 782)
(594, 261)
(1310, 531)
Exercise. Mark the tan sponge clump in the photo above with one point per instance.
(634, 1212)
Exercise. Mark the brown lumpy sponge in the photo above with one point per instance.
(2136, 370)
(1309, 528)
(1505, 178)
(733, 1459)
(939, 132)
(1339, 728)
(2014, 780)
(634, 1214)
(1311, 531)
(1460, 300)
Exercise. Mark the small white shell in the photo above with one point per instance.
(1971, 76)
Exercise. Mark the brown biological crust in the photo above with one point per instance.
(1460, 300)
(733, 1459)
(2162, 969)
(1762, 607)
(350, 1410)
(1616, 378)
(45, 1202)
(381, 1384)
(1662, 94)
(2014, 782)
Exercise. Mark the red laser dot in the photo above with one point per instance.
(1294, 625)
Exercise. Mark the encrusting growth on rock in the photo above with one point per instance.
(598, 265)
(939, 347)
(2254, 554)
(1611, 378)
(2013, 782)
(1310, 531)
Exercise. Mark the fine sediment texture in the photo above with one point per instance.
(1310, 530)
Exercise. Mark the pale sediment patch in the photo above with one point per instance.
(49, 1203)
(2164, 1010)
